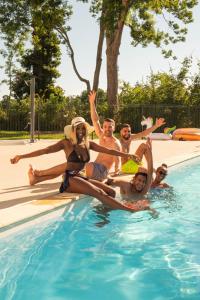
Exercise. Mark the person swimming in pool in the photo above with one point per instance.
(76, 147)
(161, 173)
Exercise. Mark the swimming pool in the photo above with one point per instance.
(90, 254)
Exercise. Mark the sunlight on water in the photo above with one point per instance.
(90, 253)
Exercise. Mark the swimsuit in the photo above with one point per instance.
(74, 157)
(100, 172)
(68, 174)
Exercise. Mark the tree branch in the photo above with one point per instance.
(65, 37)
(99, 55)
(118, 35)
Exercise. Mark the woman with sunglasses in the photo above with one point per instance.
(161, 173)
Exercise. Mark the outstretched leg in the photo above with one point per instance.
(57, 170)
(108, 189)
(33, 179)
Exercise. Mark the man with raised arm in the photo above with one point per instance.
(126, 137)
(100, 168)
(140, 184)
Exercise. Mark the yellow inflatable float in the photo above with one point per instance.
(186, 134)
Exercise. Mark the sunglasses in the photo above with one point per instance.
(162, 173)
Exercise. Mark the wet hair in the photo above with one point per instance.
(142, 174)
(162, 166)
(109, 120)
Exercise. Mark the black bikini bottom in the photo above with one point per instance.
(68, 174)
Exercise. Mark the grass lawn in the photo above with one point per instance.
(23, 135)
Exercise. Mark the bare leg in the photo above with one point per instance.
(33, 179)
(57, 170)
(81, 186)
(109, 190)
(141, 150)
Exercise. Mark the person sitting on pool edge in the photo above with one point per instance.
(161, 173)
(76, 148)
(126, 137)
(103, 163)
(139, 185)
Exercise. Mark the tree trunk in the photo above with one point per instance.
(112, 78)
(113, 42)
(98, 57)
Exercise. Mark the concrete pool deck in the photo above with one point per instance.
(20, 202)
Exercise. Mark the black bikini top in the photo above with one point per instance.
(77, 158)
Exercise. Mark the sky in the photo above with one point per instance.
(135, 63)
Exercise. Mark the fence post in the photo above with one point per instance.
(32, 115)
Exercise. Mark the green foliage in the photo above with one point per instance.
(142, 19)
(25, 135)
(161, 88)
(35, 22)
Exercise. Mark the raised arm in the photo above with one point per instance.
(99, 148)
(94, 115)
(51, 149)
(159, 123)
(117, 159)
(149, 159)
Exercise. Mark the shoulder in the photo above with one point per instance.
(66, 143)
(165, 185)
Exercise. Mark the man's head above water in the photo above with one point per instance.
(161, 172)
(125, 131)
(139, 181)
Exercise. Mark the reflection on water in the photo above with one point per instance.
(102, 214)
(168, 199)
(96, 253)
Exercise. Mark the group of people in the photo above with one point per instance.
(94, 181)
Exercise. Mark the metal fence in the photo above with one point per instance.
(179, 115)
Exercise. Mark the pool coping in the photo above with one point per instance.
(15, 216)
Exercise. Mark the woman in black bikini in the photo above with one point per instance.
(76, 147)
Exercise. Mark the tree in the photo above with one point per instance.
(141, 17)
(195, 88)
(34, 21)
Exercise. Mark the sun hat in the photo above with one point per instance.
(69, 129)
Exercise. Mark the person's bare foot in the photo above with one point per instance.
(37, 173)
(31, 175)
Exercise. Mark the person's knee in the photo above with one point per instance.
(89, 167)
(100, 191)
(144, 146)
(112, 193)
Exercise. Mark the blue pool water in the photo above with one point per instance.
(89, 254)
